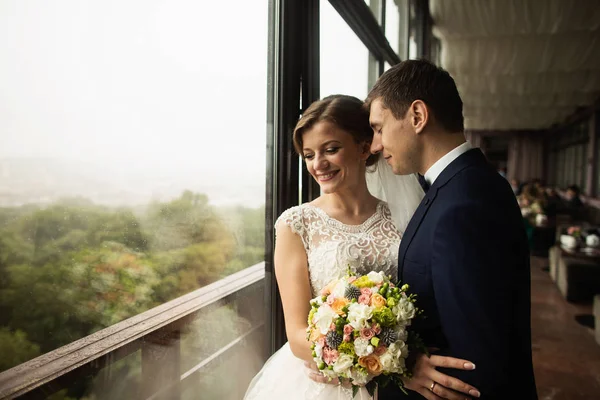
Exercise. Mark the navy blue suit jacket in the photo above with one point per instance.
(465, 254)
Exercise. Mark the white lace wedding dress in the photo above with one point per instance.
(331, 246)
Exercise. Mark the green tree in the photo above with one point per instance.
(15, 348)
(184, 221)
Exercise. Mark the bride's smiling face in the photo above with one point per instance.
(333, 157)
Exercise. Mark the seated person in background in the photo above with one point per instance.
(573, 204)
(553, 202)
(538, 184)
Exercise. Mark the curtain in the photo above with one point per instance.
(525, 157)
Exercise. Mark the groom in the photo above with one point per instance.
(465, 252)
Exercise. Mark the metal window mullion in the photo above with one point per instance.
(361, 20)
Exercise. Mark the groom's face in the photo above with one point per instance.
(394, 138)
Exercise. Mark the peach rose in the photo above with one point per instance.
(338, 304)
(371, 363)
(315, 335)
(326, 291)
(377, 300)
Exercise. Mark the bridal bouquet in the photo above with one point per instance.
(358, 330)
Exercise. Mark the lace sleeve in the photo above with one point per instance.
(292, 218)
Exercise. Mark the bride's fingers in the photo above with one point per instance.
(310, 365)
(451, 362)
(320, 378)
(448, 382)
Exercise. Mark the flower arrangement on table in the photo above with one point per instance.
(573, 239)
(574, 231)
(358, 328)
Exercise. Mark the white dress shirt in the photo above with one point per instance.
(440, 165)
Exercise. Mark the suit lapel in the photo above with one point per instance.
(412, 227)
(471, 157)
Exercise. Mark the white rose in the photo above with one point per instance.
(403, 349)
(393, 349)
(323, 318)
(339, 289)
(406, 310)
(402, 334)
(343, 364)
(361, 347)
(401, 365)
(375, 277)
(358, 314)
(358, 377)
(388, 362)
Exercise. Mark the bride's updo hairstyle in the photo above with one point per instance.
(347, 112)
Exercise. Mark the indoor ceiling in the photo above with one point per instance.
(520, 64)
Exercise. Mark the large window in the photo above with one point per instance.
(132, 164)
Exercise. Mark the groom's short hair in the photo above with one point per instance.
(413, 80)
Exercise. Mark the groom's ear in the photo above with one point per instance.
(418, 116)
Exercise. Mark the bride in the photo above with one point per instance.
(346, 226)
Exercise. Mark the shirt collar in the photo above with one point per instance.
(440, 165)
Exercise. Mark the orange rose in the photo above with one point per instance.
(371, 363)
(377, 300)
(338, 304)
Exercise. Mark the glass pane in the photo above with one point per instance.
(196, 359)
(551, 169)
(132, 161)
(344, 59)
(396, 26)
(560, 179)
(392, 24)
(570, 165)
(413, 45)
(584, 167)
(413, 49)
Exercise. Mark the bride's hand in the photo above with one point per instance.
(433, 385)
(317, 376)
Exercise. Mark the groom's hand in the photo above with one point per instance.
(434, 385)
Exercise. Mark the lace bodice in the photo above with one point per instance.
(332, 246)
